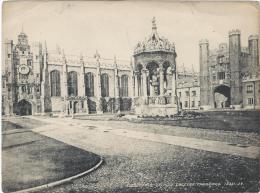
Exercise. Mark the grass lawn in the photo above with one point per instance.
(243, 121)
(30, 159)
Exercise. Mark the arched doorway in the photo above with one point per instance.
(24, 108)
(222, 96)
(76, 107)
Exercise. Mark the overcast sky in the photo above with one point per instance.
(113, 28)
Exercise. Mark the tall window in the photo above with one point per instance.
(250, 101)
(72, 83)
(221, 75)
(89, 84)
(249, 88)
(124, 86)
(104, 85)
(55, 83)
(193, 93)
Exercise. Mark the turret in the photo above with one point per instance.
(204, 73)
(253, 50)
(234, 60)
(234, 50)
(8, 70)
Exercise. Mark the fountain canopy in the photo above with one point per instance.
(154, 43)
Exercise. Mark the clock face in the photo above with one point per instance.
(23, 69)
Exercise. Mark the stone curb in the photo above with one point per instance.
(60, 182)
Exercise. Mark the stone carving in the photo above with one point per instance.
(154, 43)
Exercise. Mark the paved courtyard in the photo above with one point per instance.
(156, 158)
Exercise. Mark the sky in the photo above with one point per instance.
(115, 27)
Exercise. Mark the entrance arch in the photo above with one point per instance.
(222, 96)
(24, 108)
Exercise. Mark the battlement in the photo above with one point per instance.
(253, 37)
(204, 41)
(234, 32)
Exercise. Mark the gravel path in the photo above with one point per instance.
(133, 165)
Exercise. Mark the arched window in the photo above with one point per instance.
(104, 85)
(124, 86)
(55, 83)
(89, 84)
(72, 83)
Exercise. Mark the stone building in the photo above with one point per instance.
(229, 75)
(38, 81)
(188, 90)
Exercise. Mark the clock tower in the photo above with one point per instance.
(27, 64)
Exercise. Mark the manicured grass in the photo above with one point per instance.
(243, 121)
(30, 159)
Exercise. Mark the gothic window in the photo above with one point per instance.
(221, 75)
(72, 83)
(249, 89)
(55, 83)
(89, 84)
(104, 85)
(124, 86)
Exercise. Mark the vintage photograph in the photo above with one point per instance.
(130, 97)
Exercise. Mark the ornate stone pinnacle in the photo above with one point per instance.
(154, 23)
(97, 56)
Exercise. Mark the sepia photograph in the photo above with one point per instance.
(130, 97)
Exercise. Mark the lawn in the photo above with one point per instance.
(30, 159)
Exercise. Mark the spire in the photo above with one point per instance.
(154, 28)
(63, 55)
(115, 61)
(81, 56)
(192, 67)
(131, 64)
(45, 46)
(97, 56)
(58, 49)
(184, 71)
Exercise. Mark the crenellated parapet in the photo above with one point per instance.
(204, 41)
(234, 32)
